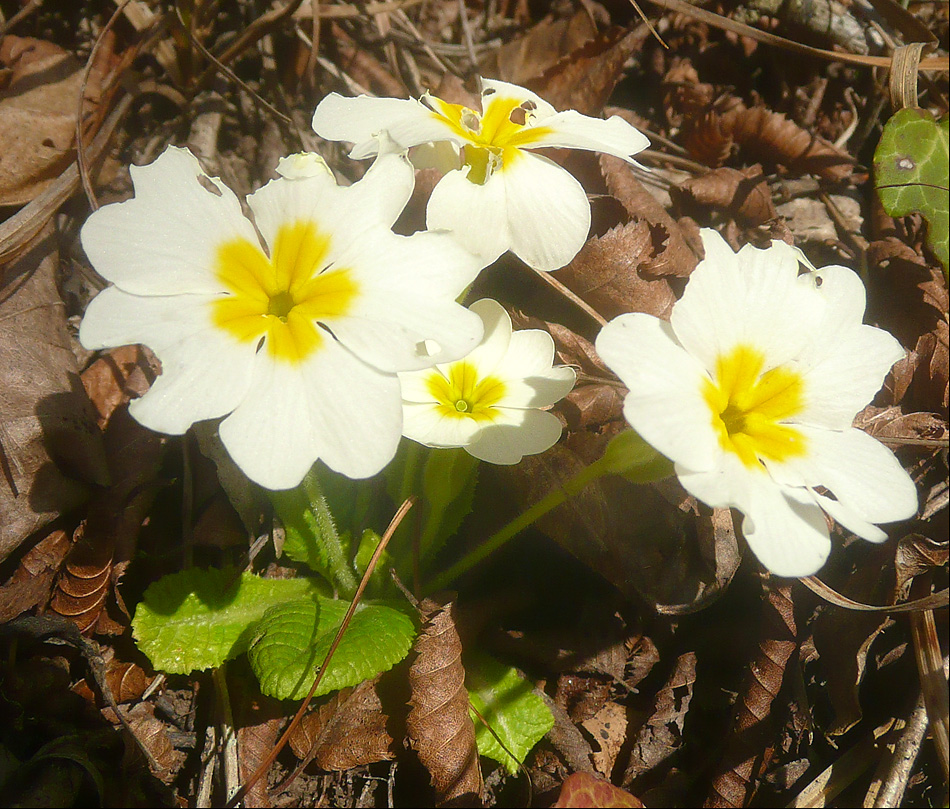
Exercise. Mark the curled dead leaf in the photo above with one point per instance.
(670, 252)
(439, 726)
(743, 193)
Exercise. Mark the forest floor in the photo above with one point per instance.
(674, 667)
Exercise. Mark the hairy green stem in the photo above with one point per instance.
(336, 554)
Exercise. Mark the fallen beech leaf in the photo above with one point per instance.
(119, 375)
(743, 193)
(662, 734)
(50, 447)
(439, 726)
(153, 734)
(32, 581)
(735, 777)
(583, 789)
(541, 47)
(606, 273)
(671, 253)
(584, 79)
(105, 542)
(843, 637)
(38, 109)
(348, 730)
(770, 136)
(127, 681)
(258, 720)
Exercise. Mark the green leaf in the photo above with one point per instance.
(379, 580)
(507, 702)
(197, 619)
(292, 639)
(911, 167)
(448, 487)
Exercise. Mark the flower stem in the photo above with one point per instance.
(552, 500)
(336, 553)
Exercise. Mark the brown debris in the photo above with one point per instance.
(734, 782)
(744, 193)
(348, 730)
(439, 726)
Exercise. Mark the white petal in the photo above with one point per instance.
(356, 412)
(476, 215)
(497, 336)
(164, 241)
(530, 381)
(205, 373)
(548, 211)
(359, 120)
(665, 404)
(863, 474)
(783, 526)
(494, 90)
(428, 425)
(572, 130)
(841, 379)
(407, 290)
(749, 298)
(515, 434)
(849, 519)
(270, 435)
(540, 389)
(348, 215)
(786, 531)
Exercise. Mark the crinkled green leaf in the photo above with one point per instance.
(448, 488)
(292, 639)
(911, 167)
(507, 702)
(197, 619)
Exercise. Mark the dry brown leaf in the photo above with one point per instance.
(843, 637)
(584, 79)
(153, 734)
(671, 254)
(662, 734)
(258, 720)
(126, 681)
(734, 780)
(744, 194)
(608, 727)
(583, 789)
(541, 47)
(439, 726)
(770, 137)
(105, 542)
(606, 273)
(119, 375)
(50, 447)
(348, 730)
(38, 109)
(581, 696)
(30, 584)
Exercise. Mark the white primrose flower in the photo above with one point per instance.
(293, 326)
(496, 194)
(488, 402)
(751, 389)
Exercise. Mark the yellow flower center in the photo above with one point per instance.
(462, 394)
(495, 139)
(748, 407)
(282, 300)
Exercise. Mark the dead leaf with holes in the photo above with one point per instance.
(608, 727)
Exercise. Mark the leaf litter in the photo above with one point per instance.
(695, 681)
